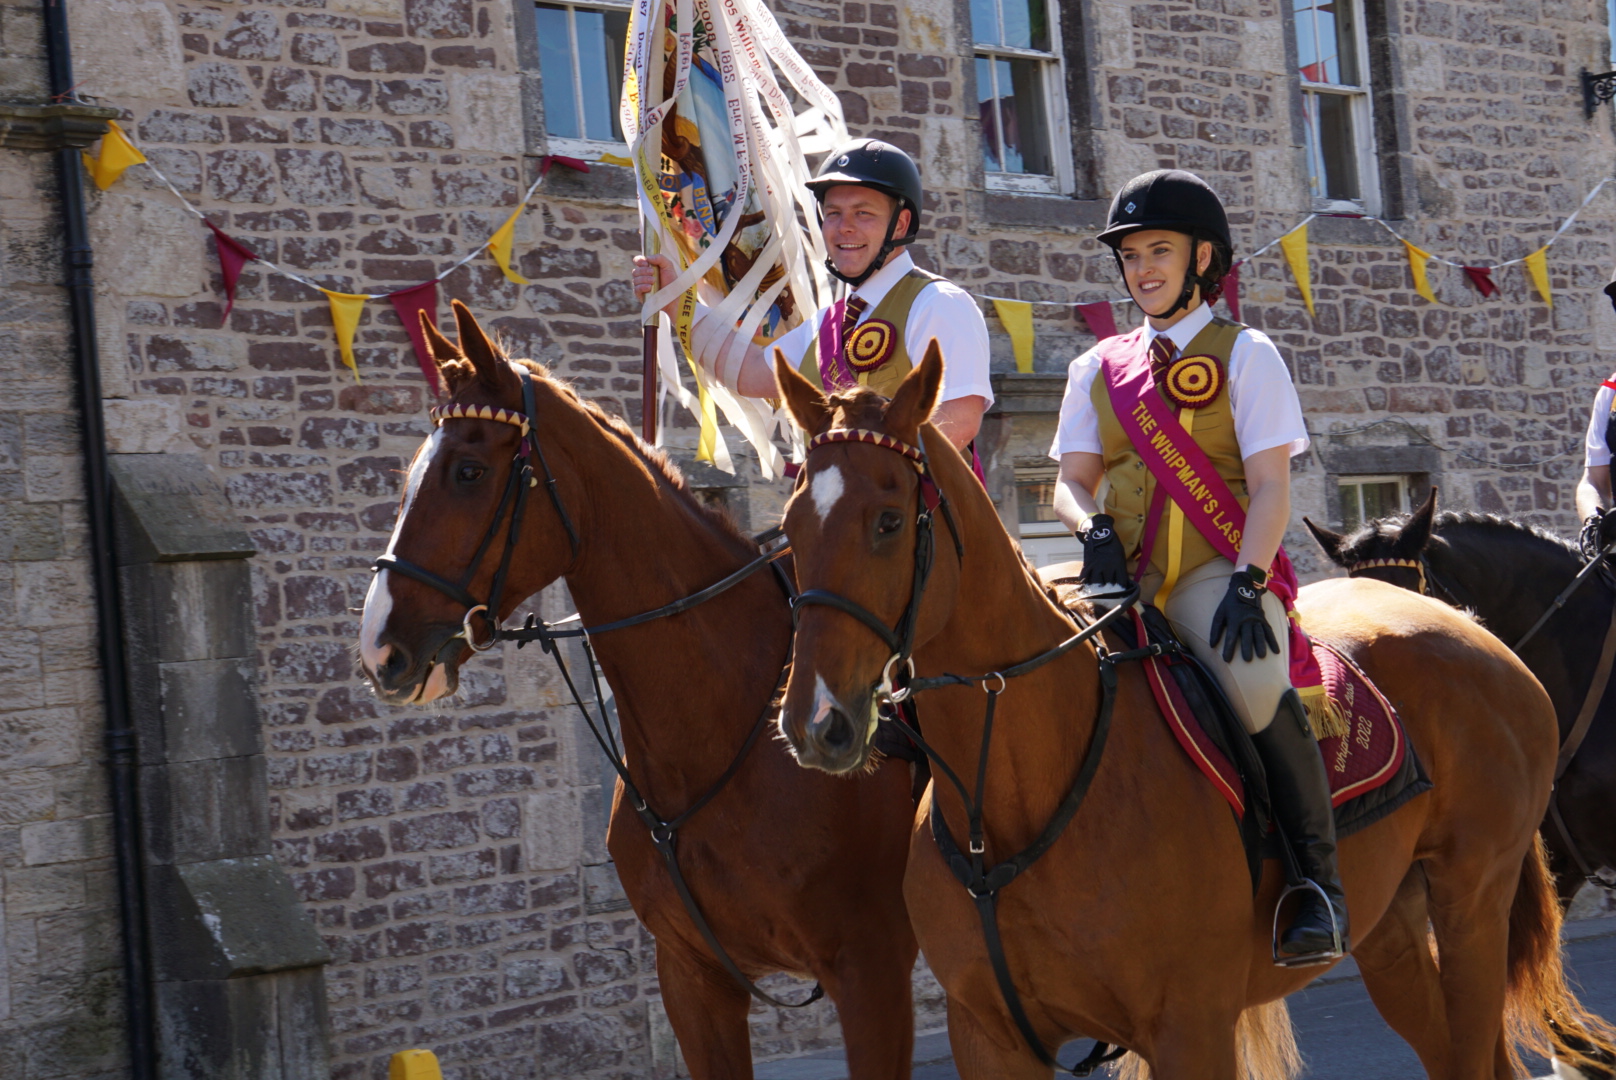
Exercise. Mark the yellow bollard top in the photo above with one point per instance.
(414, 1065)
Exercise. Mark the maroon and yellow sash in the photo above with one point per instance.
(1198, 494)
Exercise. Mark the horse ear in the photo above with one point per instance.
(1329, 541)
(1416, 532)
(451, 363)
(807, 404)
(916, 398)
(475, 346)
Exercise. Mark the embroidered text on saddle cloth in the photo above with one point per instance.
(1183, 470)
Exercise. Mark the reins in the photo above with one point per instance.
(664, 831)
(982, 882)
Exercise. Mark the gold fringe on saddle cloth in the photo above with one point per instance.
(1324, 713)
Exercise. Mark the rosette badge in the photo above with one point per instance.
(869, 346)
(1194, 382)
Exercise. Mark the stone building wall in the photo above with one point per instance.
(453, 857)
(61, 986)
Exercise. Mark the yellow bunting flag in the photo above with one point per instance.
(614, 159)
(345, 309)
(117, 154)
(1016, 318)
(1416, 266)
(1537, 265)
(499, 246)
(1294, 245)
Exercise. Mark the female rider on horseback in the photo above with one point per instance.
(1229, 392)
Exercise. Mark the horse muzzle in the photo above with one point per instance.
(837, 735)
(401, 677)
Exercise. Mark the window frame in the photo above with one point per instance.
(1405, 488)
(1360, 98)
(583, 149)
(1053, 80)
(1036, 474)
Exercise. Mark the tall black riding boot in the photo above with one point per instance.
(1300, 792)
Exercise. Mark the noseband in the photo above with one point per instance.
(513, 502)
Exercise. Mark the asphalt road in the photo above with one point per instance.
(1341, 1035)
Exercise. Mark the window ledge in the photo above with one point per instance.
(1018, 394)
(609, 184)
(1019, 210)
(1346, 230)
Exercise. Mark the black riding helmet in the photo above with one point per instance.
(1180, 201)
(1610, 290)
(874, 164)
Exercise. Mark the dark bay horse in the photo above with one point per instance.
(1508, 575)
(1139, 926)
(795, 872)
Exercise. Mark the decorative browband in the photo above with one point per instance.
(440, 413)
(1406, 564)
(874, 438)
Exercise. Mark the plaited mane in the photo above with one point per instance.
(1363, 542)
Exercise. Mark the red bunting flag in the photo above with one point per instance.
(1102, 322)
(1231, 291)
(1482, 278)
(233, 255)
(409, 303)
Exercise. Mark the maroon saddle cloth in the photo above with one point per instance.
(1372, 767)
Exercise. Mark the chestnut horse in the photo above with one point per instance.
(1138, 926)
(794, 871)
(1509, 575)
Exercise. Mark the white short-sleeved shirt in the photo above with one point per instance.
(941, 310)
(1598, 449)
(1267, 412)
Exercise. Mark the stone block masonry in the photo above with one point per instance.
(452, 859)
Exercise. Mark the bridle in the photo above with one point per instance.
(664, 830)
(898, 707)
(513, 501)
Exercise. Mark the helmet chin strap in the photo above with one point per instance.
(888, 246)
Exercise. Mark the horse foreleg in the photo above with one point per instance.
(1470, 915)
(707, 1010)
(1402, 978)
(980, 1054)
(1197, 1043)
(871, 989)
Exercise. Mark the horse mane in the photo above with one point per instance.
(657, 462)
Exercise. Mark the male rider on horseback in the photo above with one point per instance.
(870, 200)
(1593, 492)
(1227, 391)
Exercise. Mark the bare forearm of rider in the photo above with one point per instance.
(1268, 479)
(1593, 491)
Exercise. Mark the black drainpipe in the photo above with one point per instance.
(120, 736)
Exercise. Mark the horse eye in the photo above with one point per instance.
(469, 473)
(889, 522)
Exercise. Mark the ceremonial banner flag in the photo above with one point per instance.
(1537, 266)
(345, 308)
(233, 255)
(1016, 318)
(410, 303)
(117, 154)
(1482, 278)
(1294, 245)
(1231, 291)
(1101, 319)
(1416, 266)
(500, 244)
(720, 149)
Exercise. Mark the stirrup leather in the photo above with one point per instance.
(1312, 959)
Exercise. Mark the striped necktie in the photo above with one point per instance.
(1162, 351)
(850, 316)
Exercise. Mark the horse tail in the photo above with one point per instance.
(1265, 1044)
(1540, 1011)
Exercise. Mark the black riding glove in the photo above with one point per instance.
(1240, 613)
(1104, 561)
(1598, 533)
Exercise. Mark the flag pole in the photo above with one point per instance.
(648, 384)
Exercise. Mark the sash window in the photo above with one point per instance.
(1019, 90)
(580, 51)
(1364, 498)
(1332, 64)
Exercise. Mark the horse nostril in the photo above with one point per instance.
(835, 731)
(395, 662)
